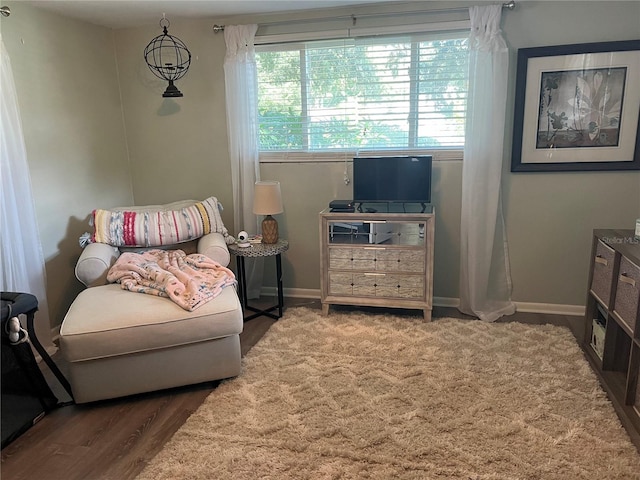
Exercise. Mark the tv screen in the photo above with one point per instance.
(392, 179)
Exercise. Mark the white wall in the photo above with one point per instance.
(550, 216)
(178, 147)
(67, 86)
(70, 92)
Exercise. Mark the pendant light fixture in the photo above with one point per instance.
(168, 58)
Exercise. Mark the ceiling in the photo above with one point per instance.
(130, 13)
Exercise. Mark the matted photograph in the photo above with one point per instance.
(577, 108)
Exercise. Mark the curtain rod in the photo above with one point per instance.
(509, 6)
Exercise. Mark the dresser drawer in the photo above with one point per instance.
(340, 284)
(398, 286)
(344, 258)
(628, 293)
(603, 273)
(395, 260)
(379, 259)
(377, 285)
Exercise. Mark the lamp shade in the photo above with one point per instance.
(267, 199)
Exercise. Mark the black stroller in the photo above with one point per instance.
(26, 395)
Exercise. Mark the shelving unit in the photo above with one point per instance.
(380, 259)
(613, 300)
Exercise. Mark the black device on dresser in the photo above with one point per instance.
(342, 206)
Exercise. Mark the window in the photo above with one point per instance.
(401, 94)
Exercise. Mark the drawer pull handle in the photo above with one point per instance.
(601, 260)
(374, 274)
(374, 248)
(626, 279)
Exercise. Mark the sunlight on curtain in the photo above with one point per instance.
(241, 89)
(23, 268)
(485, 280)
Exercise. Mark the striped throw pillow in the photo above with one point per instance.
(155, 226)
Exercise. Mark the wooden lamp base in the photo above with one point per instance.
(269, 230)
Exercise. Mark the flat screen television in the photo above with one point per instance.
(392, 179)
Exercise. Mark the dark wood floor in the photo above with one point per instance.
(115, 439)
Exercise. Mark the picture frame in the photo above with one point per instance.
(577, 108)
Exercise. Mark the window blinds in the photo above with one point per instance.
(400, 93)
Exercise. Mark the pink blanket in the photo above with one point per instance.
(188, 280)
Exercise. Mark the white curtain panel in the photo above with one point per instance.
(241, 88)
(23, 268)
(485, 280)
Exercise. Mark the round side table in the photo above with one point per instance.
(253, 251)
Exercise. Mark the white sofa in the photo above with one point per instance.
(121, 343)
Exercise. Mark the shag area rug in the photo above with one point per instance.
(352, 396)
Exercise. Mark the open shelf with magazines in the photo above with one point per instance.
(612, 322)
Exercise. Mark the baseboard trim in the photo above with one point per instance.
(551, 308)
(528, 307)
(55, 334)
(50, 349)
(292, 292)
(446, 302)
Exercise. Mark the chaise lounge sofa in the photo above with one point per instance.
(119, 342)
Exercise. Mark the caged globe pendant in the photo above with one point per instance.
(168, 58)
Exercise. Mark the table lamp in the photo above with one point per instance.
(267, 200)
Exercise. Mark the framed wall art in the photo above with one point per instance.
(577, 108)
